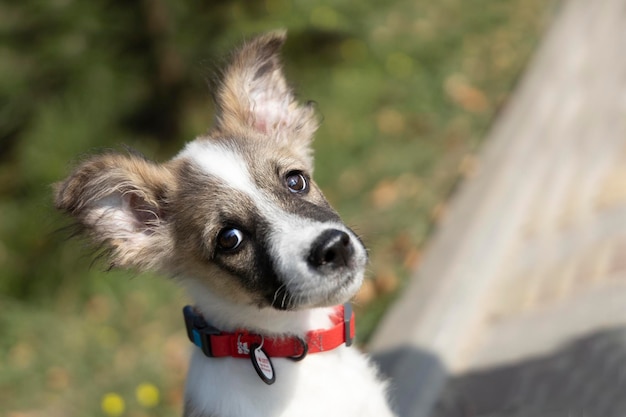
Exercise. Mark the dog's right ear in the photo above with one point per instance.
(120, 201)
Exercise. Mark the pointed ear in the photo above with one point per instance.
(253, 93)
(120, 202)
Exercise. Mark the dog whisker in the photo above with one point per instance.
(285, 293)
(276, 294)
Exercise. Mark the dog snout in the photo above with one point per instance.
(332, 249)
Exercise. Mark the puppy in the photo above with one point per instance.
(237, 220)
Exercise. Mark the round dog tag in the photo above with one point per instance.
(262, 364)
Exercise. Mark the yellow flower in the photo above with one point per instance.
(147, 395)
(112, 404)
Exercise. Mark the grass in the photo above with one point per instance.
(407, 91)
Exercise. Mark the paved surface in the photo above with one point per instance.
(584, 378)
(519, 307)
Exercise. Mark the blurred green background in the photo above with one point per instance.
(406, 89)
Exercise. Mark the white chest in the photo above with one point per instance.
(337, 383)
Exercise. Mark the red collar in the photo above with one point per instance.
(215, 343)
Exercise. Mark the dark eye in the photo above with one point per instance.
(297, 182)
(229, 239)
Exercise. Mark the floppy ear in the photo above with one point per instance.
(120, 201)
(253, 93)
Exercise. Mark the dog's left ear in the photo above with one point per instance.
(120, 202)
(253, 94)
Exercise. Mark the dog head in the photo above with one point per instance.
(236, 211)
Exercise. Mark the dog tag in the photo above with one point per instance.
(262, 364)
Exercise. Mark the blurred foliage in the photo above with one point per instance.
(406, 89)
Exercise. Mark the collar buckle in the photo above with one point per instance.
(198, 330)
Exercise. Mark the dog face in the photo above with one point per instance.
(236, 210)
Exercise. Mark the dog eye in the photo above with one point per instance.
(296, 182)
(229, 239)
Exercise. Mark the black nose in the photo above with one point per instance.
(332, 249)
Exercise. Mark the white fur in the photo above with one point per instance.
(218, 160)
(338, 383)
